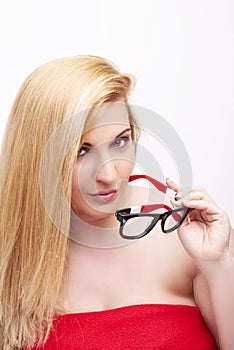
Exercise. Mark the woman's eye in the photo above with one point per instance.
(121, 142)
(82, 151)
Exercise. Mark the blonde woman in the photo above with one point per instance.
(67, 278)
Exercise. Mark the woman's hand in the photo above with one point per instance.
(205, 232)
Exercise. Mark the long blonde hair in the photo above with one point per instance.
(33, 251)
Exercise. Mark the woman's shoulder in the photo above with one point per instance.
(164, 249)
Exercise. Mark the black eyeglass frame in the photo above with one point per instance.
(124, 215)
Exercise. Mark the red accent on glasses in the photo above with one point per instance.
(159, 185)
(147, 208)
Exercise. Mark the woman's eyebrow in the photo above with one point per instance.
(122, 132)
(87, 144)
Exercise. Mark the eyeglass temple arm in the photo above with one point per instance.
(147, 208)
(159, 185)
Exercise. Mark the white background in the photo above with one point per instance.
(181, 53)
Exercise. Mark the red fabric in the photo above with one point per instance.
(147, 326)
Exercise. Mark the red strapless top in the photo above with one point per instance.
(134, 327)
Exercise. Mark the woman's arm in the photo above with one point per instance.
(205, 235)
(213, 292)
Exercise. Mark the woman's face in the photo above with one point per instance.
(104, 163)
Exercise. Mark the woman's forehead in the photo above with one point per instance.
(115, 112)
(109, 119)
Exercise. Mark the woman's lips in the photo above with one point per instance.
(106, 196)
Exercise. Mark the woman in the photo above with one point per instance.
(66, 159)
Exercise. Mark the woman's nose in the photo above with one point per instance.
(107, 172)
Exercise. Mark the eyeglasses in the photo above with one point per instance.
(136, 222)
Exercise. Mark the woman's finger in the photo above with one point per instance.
(172, 185)
(193, 196)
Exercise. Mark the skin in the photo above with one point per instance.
(186, 267)
(103, 166)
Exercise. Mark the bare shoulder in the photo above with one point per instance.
(167, 246)
(171, 268)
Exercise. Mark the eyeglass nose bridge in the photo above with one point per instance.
(156, 219)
